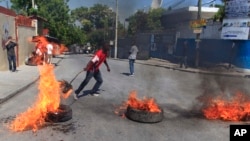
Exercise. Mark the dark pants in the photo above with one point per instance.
(12, 62)
(98, 77)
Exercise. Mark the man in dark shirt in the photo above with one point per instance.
(10, 46)
(184, 55)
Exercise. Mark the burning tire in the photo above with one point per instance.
(29, 62)
(144, 116)
(65, 86)
(63, 114)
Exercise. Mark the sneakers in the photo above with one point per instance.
(132, 74)
(95, 94)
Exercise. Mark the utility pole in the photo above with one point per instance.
(35, 20)
(116, 29)
(33, 4)
(197, 57)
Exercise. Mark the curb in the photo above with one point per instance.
(191, 71)
(22, 88)
(17, 91)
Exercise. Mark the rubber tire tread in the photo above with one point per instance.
(144, 116)
(64, 115)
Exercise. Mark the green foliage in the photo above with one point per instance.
(21, 6)
(137, 22)
(220, 14)
(97, 22)
(32, 11)
(154, 19)
(142, 21)
(96, 37)
(56, 12)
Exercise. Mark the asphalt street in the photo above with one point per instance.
(94, 118)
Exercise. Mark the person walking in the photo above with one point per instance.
(184, 55)
(49, 48)
(92, 70)
(132, 57)
(10, 46)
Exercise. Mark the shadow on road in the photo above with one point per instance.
(125, 73)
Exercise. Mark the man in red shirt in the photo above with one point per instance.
(93, 70)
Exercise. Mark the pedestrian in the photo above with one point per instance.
(132, 57)
(231, 55)
(11, 53)
(92, 70)
(38, 49)
(49, 48)
(184, 58)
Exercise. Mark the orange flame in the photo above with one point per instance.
(63, 48)
(48, 101)
(67, 94)
(41, 45)
(235, 109)
(146, 104)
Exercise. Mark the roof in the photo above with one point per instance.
(48, 38)
(7, 11)
(38, 18)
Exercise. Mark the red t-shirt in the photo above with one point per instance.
(98, 59)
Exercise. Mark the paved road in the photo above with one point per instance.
(94, 118)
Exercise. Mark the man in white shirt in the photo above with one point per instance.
(49, 47)
(132, 57)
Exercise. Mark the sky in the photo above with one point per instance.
(127, 7)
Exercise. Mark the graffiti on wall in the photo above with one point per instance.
(5, 33)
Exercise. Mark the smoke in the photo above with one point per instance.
(125, 7)
(221, 86)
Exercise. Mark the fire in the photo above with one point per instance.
(48, 101)
(63, 48)
(41, 42)
(236, 108)
(145, 104)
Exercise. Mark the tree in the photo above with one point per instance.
(220, 14)
(137, 22)
(97, 22)
(154, 19)
(21, 6)
(142, 21)
(94, 17)
(56, 12)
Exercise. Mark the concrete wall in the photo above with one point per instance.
(215, 51)
(25, 46)
(21, 32)
(7, 28)
(212, 30)
(212, 51)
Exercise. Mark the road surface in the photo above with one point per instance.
(94, 118)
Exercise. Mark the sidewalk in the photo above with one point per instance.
(11, 83)
(218, 69)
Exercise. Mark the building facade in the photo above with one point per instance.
(21, 29)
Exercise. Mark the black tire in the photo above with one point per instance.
(64, 114)
(144, 116)
(65, 86)
(29, 63)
